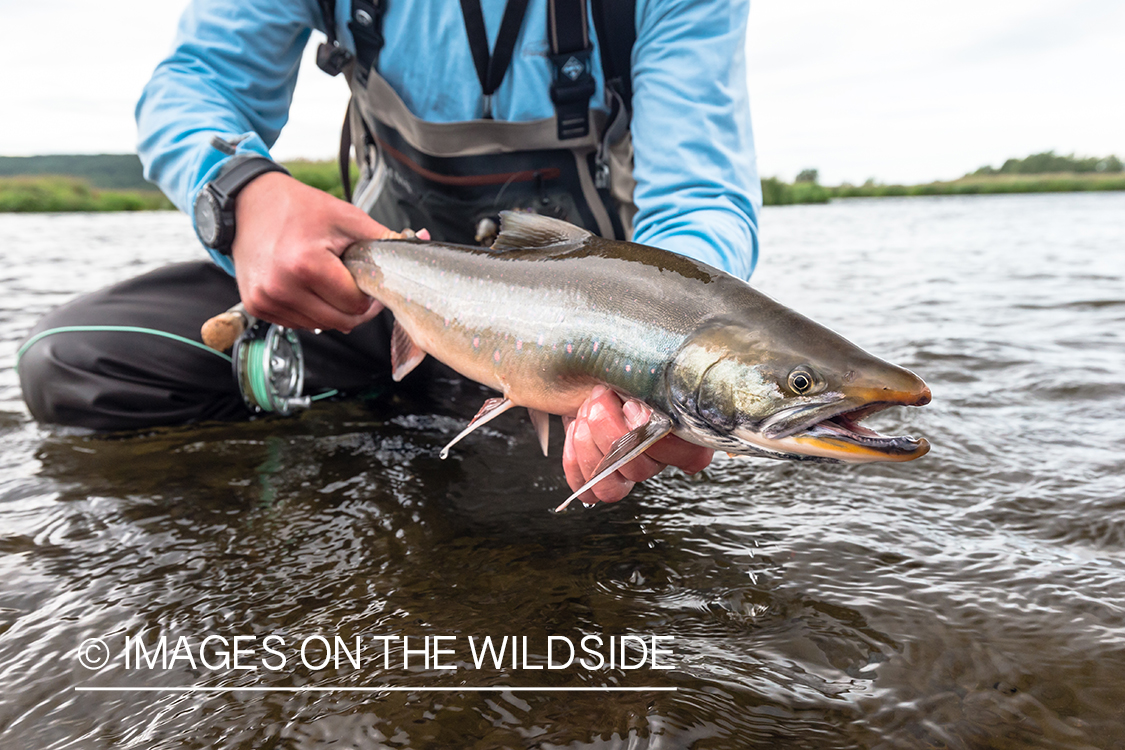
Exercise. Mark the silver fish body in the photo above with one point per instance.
(551, 310)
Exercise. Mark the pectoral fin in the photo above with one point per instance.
(492, 408)
(405, 354)
(542, 422)
(628, 446)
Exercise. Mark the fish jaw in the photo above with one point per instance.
(833, 432)
(729, 392)
(839, 438)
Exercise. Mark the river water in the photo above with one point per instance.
(971, 599)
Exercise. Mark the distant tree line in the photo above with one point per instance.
(1049, 162)
(101, 171)
(114, 182)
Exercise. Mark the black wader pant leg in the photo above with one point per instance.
(129, 380)
(124, 380)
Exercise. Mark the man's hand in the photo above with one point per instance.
(287, 246)
(601, 420)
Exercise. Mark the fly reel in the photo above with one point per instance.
(269, 367)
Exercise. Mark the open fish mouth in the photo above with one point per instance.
(835, 433)
(842, 437)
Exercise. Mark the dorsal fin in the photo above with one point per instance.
(523, 231)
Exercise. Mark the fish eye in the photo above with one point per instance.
(802, 380)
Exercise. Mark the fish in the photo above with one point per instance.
(551, 310)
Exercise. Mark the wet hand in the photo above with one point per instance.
(600, 421)
(288, 241)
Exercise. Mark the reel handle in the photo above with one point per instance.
(221, 331)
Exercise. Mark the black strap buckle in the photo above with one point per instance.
(331, 58)
(571, 89)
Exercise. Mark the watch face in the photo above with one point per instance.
(207, 218)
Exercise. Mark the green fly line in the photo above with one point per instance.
(256, 367)
(257, 373)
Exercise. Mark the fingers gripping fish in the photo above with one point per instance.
(552, 310)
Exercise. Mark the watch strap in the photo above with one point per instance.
(225, 187)
(238, 172)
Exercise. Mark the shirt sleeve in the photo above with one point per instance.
(231, 73)
(697, 192)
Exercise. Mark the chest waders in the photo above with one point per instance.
(454, 178)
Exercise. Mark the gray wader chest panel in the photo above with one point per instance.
(446, 177)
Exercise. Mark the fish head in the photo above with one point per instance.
(788, 389)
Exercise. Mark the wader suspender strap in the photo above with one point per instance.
(572, 84)
(344, 159)
(615, 22)
(330, 56)
(613, 19)
(491, 68)
(367, 30)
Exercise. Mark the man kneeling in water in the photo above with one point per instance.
(639, 130)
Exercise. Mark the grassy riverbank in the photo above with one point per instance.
(778, 193)
(63, 193)
(86, 191)
(54, 194)
(324, 175)
(983, 184)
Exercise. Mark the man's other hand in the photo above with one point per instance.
(287, 246)
(601, 420)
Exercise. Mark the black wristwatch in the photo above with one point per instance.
(214, 205)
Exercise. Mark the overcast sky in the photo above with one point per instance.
(897, 90)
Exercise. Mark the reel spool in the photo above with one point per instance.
(269, 367)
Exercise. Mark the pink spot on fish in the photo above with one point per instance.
(628, 368)
(496, 356)
(476, 341)
(595, 346)
(570, 349)
(519, 345)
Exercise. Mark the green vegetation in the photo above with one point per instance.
(1067, 182)
(778, 193)
(1050, 163)
(1038, 173)
(101, 171)
(42, 194)
(324, 175)
(73, 192)
(113, 182)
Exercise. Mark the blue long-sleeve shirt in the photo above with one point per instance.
(234, 65)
